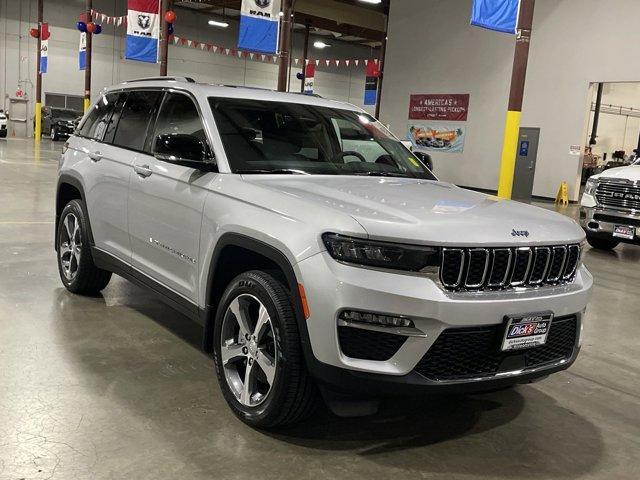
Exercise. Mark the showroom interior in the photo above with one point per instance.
(515, 126)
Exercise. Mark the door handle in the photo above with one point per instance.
(142, 170)
(95, 156)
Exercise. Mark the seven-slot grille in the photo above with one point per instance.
(500, 268)
(618, 194)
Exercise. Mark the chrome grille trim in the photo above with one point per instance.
(471, 252)
(519, 264)
(505, 279)
(619, 194)
(570, 269)
(537, 250)
(522, 250)
(557, 251)
(460, 267)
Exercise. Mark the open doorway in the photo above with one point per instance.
(613, 134)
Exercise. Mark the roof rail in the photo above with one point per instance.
(157, 79)
(269, 90)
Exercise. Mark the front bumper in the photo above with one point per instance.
(600, 222)
(64, 130)
(332, 287)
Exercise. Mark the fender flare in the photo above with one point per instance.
(277, 257)
(69, 179)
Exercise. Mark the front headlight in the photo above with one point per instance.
(590, 187)
(394, 256)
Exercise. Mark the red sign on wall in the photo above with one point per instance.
(445, 107)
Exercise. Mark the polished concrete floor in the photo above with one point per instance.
(115, 387)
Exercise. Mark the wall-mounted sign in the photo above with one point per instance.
(434, 137)
(575, 149)
(442, 107)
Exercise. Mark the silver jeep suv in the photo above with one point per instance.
(317, 252)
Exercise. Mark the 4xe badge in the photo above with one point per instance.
(526, 331)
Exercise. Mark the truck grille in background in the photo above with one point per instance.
(618, 194)
(462, 353)
(500, 268)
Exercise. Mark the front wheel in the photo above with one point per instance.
(602, 243)
(75, 263)
(54, 134)
(258, 355)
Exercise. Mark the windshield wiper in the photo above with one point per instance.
(291, 171)
(381, 174)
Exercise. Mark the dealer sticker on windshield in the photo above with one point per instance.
(526, 331)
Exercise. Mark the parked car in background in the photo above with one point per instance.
(59, 123)
(610, 207)
(317, 251)
(3, 124)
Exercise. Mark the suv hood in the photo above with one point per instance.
(426, 212)
(630, 172)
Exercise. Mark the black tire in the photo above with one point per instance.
(602, 243)
(87, 279)
(54, 134)
(293, 394)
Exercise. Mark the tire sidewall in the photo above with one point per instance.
(75, 207)
(256, 285)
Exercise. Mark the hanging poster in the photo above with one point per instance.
(309, 76)
(498, 15)
(143, 30)
(443, 107)
(82, 51)
(259, 26)
(437, 137)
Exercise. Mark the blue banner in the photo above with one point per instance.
(143, 30)
(498, 15)
(44, 55)
(82, 52)
(259, 26)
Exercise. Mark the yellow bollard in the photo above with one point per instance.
(37, 133)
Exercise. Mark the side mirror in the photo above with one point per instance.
(182, 149)
(425, 158)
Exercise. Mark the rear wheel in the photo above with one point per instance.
(257, 353)
(75, 263)
(54, 134)
(602, 243)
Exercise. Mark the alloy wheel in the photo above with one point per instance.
(70, 248)
(248, 350)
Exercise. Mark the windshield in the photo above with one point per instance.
(279, 137)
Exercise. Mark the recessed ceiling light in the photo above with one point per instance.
(216, 23)
(319, 44)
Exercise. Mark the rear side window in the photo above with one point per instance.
(115, 117)
(179, 115)
(96, 123)
(136, 115)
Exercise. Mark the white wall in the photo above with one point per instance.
(18, 54)
(433, 49)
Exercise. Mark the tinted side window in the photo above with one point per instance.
(96, 123)
(131, 130)
(115, 117)
(178, 114)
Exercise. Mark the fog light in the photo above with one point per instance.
(375, 319)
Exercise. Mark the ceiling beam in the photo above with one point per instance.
(333, 26)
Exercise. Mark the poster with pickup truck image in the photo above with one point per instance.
(436, 137)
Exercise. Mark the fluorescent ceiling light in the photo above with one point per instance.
(319, 44)
(215, 23)
(371, 1)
